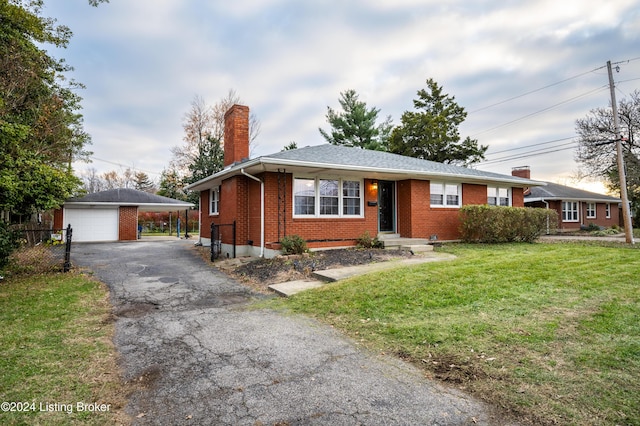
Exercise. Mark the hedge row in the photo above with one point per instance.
(492, 224)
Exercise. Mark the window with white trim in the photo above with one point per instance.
(320, 197)
(497, 196)
(214, 200)
(351, 199)
(591, 210)
(304, 197)
(569, 211)
(444, 194)
(607, 210)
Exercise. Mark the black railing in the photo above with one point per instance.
(219, 233)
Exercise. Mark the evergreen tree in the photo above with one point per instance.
(431, 132)
(355, 125)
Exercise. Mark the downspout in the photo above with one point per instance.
(261, 209)
(547, 204)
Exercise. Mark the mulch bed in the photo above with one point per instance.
(261, 273)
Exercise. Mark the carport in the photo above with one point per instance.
(111, 215)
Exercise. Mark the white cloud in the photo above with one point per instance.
(144, 61)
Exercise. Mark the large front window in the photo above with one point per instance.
(569, 211)
(445, 194)
(315, 197)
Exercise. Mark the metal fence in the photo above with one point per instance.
(222, 234)
(42, 250)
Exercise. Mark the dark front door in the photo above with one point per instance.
(386, 206)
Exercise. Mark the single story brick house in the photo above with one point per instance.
(575, 207)
(111, 215)
(331, 195)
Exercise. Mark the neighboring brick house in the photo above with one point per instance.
(576, 208)
(111, 215)
(331, 195)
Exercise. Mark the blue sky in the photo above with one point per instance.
(143, 62)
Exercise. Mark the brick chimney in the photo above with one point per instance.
(236, 134)
(523, 172)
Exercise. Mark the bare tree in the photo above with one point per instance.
(204, 123)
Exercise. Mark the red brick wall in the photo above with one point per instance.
(236, 134)
(600, 219)
(128, 223)
(333, 231)
(517, 197)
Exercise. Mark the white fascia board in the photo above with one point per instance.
(409, 174)
(207, 183)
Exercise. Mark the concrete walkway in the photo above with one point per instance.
(331, 275)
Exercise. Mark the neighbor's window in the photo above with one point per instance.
(569, 211)
(445, 194)
(591, 210)
(607, 210)
(327, 197)
(304, 197)
(214, 198)
(497, 196)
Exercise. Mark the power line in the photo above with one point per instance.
(541, 111)
(124, 165)
(529, 146)
(527, 155)
(535, 90)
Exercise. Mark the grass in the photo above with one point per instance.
(56, 348)
(549, 333)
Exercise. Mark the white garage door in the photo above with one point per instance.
(92, 224)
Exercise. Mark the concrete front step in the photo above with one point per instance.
(397, 243)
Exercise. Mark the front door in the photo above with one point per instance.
(386, 206)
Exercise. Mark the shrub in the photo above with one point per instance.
(492, 224)
(293, 244)
(366, 241)
(9, 242)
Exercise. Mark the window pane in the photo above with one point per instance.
(437, 194)
(351, 188)
(329, 205)
(304, 195)
(503, 194)
(350, 197)
(452, 195)
(329, 188)
(351, 206)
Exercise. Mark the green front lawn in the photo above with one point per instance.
(548, 332)
(56, 353)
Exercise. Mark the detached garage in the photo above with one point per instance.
(111, 215)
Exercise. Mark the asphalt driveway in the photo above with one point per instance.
(186, 335)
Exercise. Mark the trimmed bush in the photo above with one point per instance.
(293, 244)
(367, 241)
(493, 224)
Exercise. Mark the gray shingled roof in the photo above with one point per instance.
(127, 196)
(346, 156)
(336, 157)
(554, 191)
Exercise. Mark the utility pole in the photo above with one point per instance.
(626, 213)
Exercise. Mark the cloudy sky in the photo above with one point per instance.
(523, 70)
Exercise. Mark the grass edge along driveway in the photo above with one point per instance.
(550, 333)
(57, 360)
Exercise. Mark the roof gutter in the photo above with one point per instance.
(261, 209)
